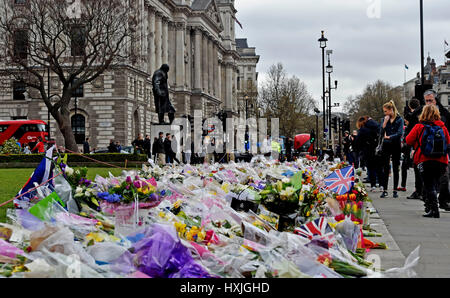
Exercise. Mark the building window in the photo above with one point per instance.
(448, 84)
(19, 118)
(3, 128)
(79, 92)
(21, 44)
(239, 83)
(79, 128)
(19, 89)
(20, 2)
(78, 41)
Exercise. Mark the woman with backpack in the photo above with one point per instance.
(430, 139)
(391, 133)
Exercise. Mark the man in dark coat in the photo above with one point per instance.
(148, 146)
(161, 94)
(159, 150)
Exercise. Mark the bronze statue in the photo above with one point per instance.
(161, 94)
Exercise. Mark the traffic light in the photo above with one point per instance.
(334, 124)
(345, 125)
(313, 136)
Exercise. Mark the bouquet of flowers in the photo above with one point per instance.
(83, 190)
(281, 197)
(130, 190)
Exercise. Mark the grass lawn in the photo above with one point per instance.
(12, 180)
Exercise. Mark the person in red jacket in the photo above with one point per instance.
(430, 168)
(40, 147)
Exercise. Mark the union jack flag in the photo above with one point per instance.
(318, 227)
(341, 181)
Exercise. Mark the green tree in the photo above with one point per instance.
(10, 147)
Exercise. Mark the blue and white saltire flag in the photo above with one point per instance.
(43, 172)
(341, 181)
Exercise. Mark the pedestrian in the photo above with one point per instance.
(431, 98)
(354, 149)
(347, 142)
(412, 113)
(289, 145)
(40, 146)
(391, 132)
(26, 149)
(168, 148)
(148, 146)
(155, 140)
(432, 164)
(138, 144)
(118, 147)
(159, 150)
(367, 140)
(86, 147)
(173, 154)
(112, 147)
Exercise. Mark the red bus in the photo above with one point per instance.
(25, 131)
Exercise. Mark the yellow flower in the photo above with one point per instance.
(308, 214)
(181, 228)
(162, 214)
(355, 208)
(177, 204)
(95, 237)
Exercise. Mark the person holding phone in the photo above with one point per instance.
(391, 132)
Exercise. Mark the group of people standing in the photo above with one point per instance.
(422, 137)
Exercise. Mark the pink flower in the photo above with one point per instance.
(152, 181)
(137, 184)
(129, 181)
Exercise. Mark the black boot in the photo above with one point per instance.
(415, 196)
(444, 205)
(384, 194)
(434, 213)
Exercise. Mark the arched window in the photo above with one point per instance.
(79, 128)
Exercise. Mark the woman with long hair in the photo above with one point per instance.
(391, 132)
(431, 167)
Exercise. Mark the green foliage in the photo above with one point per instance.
(73, 158)
(10, 147)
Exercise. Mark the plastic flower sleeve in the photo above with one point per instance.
(64, 191)
(350, 233)
(406, 271)
(161, 254)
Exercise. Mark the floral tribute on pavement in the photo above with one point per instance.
(263, 219)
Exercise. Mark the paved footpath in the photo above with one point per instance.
(403, 227)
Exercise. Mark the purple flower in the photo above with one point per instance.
(137, 184)
(154, 197)
(129, 181)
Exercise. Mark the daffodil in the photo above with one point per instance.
(95, 237)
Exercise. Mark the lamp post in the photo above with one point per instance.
(316, 110)
(323, 45)
(422, 53)
(329, 70)
(48, 96)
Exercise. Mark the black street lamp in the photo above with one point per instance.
(48, 96)
(323, 45)
(329, 70)
(422, 53)
(316, 110)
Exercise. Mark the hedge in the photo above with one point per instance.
(75, 158)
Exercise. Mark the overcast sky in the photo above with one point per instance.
(369, 41)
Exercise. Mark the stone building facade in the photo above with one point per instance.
(196, 38)
(247, 84)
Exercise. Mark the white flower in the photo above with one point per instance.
(286, 180)
(79, 190)
(69, 171)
